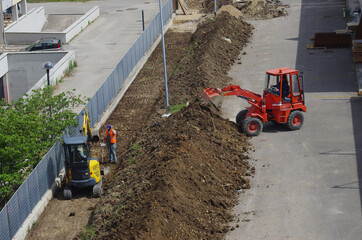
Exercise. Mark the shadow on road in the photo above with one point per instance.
(321, 66)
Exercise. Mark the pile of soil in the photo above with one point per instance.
(206, 6)
(209, 5)
(214, 48)
(263, 9)
(233, 11)
(182, 183)
(177, 177)
(252, 9)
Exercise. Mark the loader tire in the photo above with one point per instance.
(67, 193)
(295, 120)
(97, 189)
(240, 117)
(252, 126)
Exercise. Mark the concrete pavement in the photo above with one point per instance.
(103, 43)
(308, 182)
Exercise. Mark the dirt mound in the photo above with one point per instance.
(214, 47)
(183, 182)
(180, 175)
(254, 9)
(206, 6)
(233, 11)
(263, 9)
(209, 5)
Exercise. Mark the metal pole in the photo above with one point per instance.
(143, 20)
(164, 62)
(48, 77)
(214, 7)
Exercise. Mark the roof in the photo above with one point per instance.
(280, 71)
(75, 140)
(48, 40)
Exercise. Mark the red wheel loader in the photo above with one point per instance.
(282, 101)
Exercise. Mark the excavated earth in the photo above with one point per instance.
(252, 9)
(177, 177)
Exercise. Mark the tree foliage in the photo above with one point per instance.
(29, 128)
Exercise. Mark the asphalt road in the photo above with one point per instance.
(101, 45)
(308, 182)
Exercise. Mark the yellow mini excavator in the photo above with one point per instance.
(81, 170)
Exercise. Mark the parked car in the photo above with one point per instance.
(46, 44)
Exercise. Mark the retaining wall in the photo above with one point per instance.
(22, 36)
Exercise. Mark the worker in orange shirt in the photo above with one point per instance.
(110, 139)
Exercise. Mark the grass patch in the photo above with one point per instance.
(72, 65)
(134, 153)
(177, 107)
(88, 234)
(185, 59)
(67, 73)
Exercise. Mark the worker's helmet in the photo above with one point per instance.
(109, 126)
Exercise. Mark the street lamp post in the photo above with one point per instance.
(48, 65)
(164, 63)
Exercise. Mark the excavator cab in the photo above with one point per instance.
(82, 170)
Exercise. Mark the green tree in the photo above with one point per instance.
(28, 129)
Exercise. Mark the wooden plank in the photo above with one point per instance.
(183, 7)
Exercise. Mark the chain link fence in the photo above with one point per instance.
(40, 180)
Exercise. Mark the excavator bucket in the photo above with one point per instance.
(213, 96)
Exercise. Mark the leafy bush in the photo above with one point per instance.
(29, 128)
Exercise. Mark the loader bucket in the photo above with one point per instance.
(212, 95)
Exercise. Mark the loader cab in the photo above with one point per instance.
(282, 88)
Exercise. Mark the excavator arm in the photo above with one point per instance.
(212, 95)
(86, 129)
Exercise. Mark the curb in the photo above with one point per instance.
(131, 77)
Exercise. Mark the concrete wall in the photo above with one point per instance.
(22, 38)
(57, 72)
(81, 23)
(27, 37)
(25, 70)
(4, 67)
(31, 22)
(6, 4)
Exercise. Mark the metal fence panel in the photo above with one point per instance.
(41, 169)
(59, 154)
(111, 86)
(24, 203)
(139, 52)
(145, 36)
(133, 56)
(99, 98)
(34, 194)
(117, 78)
(4, 225)
(105, 95)
(14, 216)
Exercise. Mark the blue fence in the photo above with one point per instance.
(42, 177)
